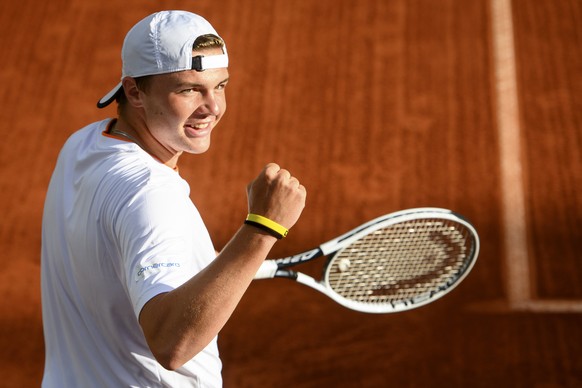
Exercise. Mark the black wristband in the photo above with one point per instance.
(272, 232)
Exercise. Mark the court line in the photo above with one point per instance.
(519, 275)
(509, 130)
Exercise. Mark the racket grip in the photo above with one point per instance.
(267, 270)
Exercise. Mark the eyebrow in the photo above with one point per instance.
(195, 85)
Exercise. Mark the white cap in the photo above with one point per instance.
(162, 43)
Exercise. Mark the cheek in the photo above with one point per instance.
(171, 110)
(222, 105)
(155, 109)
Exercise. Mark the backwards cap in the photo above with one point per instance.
(162, 43)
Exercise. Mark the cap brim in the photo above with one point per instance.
(109, 97)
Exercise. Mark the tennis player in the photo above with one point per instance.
(133, 292)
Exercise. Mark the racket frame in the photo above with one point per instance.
(277, 268)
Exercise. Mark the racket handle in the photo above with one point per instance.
(267, 270)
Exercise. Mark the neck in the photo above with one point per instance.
(139, 134)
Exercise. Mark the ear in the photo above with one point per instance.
(132, 93)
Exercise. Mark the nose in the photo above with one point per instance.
(211, 104)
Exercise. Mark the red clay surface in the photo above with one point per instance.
(376, 106)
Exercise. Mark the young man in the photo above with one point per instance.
(133, 291)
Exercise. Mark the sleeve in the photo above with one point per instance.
(162, 241)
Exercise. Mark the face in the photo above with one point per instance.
(181, 109)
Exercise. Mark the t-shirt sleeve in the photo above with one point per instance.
(162, 241)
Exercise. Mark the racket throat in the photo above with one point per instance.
(300, 258)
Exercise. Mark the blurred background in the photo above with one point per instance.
(377, 106)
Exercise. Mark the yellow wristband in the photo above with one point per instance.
(267, 225)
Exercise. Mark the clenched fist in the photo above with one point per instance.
(277, 195)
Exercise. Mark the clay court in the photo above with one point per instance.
(377, 106)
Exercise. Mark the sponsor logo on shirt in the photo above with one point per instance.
(156, 267)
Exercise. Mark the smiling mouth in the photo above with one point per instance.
(198, 126)
(200, 129)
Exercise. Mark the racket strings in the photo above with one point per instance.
(404, 262)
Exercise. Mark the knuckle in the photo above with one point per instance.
(272, 167)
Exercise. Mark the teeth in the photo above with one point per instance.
(200, 126)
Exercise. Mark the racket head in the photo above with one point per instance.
(401, 261)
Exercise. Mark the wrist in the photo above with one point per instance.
(266, 225)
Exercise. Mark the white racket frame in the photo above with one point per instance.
(269, 267)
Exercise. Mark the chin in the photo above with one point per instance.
(199, 149)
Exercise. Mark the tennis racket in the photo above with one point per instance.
(393, 263)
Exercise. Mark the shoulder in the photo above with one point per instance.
(89, 132)
(112, 171)
(135, 175)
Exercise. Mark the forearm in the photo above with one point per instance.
(179, 324)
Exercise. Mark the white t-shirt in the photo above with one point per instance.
(118, 229)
